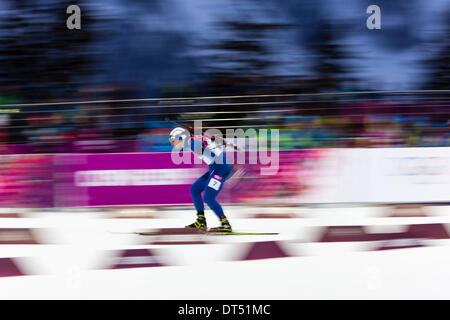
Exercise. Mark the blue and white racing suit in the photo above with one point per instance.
(212, 181)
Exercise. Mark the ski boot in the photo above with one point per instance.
(224, 226)
(199, 224)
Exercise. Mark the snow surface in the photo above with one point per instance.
(78, 248)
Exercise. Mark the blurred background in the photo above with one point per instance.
(308, 54)
(363, 119)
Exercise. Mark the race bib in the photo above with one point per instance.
(215, 184)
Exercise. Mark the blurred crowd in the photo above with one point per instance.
(366, 132)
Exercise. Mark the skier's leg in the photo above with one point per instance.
(212, 189)
(196, 192)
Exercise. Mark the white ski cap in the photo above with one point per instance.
(179, 133)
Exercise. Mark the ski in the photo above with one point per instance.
(183, 231)
(242, 233)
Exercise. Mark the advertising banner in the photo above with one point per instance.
(26, 181)
(155, 179)
(81, 146)
(299, 175)
(310, 176)
(384, 175)
(121, 179)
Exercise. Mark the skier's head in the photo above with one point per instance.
(177, 137)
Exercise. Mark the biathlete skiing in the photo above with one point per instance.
(211, 182)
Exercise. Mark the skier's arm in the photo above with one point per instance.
(220, 140)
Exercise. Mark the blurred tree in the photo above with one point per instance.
(329, 57)
(37, 51)
(244, 50)
(438, 67)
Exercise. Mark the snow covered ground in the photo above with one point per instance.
(82, 255)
